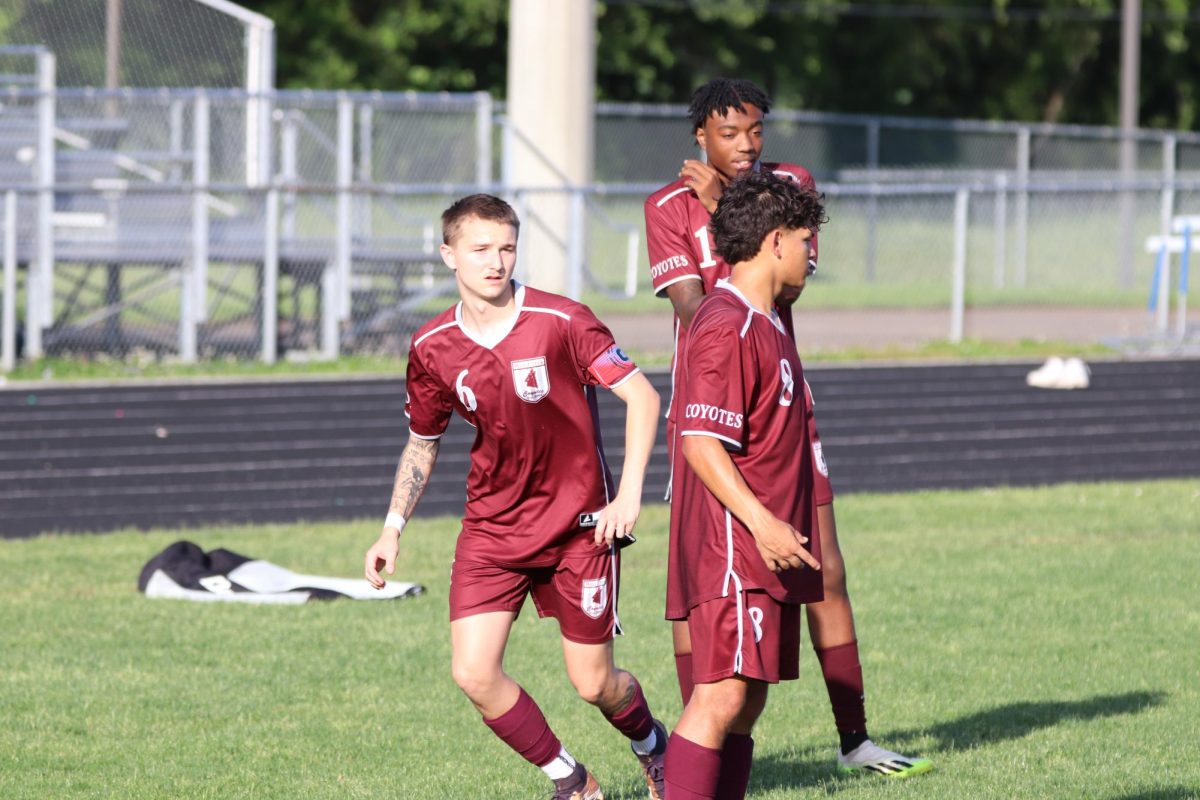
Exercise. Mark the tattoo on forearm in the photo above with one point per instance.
(412, 474)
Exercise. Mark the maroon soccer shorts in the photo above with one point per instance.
(580, 592)
(747, 633)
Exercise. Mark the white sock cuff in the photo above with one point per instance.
(561, 766)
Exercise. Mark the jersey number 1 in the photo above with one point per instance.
(705, 248)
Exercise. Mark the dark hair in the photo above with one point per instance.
(721, 94)
(483, 206)
(757, 203)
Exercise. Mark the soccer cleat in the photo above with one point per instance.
(580, 786)
(652, 765)
(870, 757)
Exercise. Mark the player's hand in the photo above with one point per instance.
(617, 519)
(382, 555)
(706, 182)
(782, 547)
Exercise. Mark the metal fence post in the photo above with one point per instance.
(633, 245)
(270, 293)
(39, 309)
(201, 136)
(1022, 234)
(345, 179)
(483, 139)
(366, 147)
(175, 140)
(576, 235)
(958, 288)
(289, 138)
(8, 314)
(873, 198)
(1167, 211)
(1000, 225)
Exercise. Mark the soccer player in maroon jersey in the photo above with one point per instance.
(748, 501)
(727, 121)
(542, 517)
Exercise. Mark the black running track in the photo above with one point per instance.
(93, 459)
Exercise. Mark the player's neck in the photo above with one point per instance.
(485, 316)
(756, 281)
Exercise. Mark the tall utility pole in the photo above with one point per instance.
(1131, 39)
(549, 134)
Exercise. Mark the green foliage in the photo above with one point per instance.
(1032, 642)
(1059, 64)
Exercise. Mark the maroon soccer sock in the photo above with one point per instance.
(524, 729)
(635, 721)
(683, 670)
(737, 756)
(692, 772)
(844, 681)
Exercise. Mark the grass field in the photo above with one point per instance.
(1034, 643)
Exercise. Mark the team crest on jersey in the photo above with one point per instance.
(594, 597)
(531, 379)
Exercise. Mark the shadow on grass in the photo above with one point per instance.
(1174, 793)
(1012, 721)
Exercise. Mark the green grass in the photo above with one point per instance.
(1034, 643)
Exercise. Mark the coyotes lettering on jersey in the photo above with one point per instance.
(743, 364)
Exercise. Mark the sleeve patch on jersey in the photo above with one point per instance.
(611, 367)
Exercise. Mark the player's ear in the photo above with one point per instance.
(777, 242)
(447, 254)
(700, 139)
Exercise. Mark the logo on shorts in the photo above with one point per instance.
(589, 519)
(594, 598)
(531, 379)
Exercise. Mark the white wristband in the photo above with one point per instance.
(394, 520)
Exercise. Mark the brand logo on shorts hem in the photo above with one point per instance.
(589, 519)
(594, 596)
(531, 379)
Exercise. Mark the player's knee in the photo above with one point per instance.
(473, 680)
(720, 705)
(593, 690)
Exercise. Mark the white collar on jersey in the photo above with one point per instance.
(498, 335)
(723, 283)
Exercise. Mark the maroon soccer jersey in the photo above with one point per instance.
(681, 249)
(538, 475)
(745, 387)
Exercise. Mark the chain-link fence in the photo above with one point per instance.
(167, 221)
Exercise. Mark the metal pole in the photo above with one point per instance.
(8, 315)
(1181, 301)
(1000, 227)
(270, 297)
(1167, 207)
(575, 239)
(366, 117)
(289, 140)
(873, 198)
(958, 288)
(39, 311)
(1131, 39)
(1022, 223)
(345, 179)
(112, 53)
(483, 139)
(632, 254)
(329, 322)
(200, 177)
(175, 139)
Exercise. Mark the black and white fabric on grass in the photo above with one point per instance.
(183, 571)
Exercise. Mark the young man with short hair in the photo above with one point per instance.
(727, 122)
(748, 500)
(521, 366)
